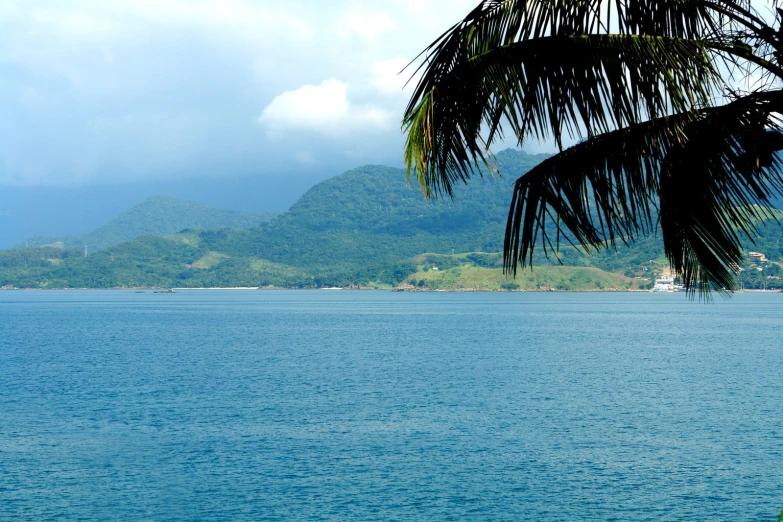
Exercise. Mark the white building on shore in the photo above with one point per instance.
(665, 283)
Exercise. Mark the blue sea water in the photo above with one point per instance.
(318, 405)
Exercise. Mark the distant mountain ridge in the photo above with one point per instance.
(363, 227)
(156, 215)
(368, 216)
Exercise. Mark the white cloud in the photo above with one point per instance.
(391, 76)
(94, 89)
(52, 39)
(230, 19)
(323, 108)
(304, 157)
(369, 27)
(74, 26)
(237, 18)
(434, 16)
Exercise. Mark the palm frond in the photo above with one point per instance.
(710, 172)
(596, 84)
(635, 79)
(551, 68)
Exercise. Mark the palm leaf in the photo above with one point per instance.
(634, 79)
(597, 83)
(710, 172)
(552, 68)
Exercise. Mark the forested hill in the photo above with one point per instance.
(370, 215)
(362, 227)
(157, 215)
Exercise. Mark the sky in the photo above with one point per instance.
(242, 104)
(96, 91)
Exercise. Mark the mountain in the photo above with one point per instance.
(362, 227)
(157, 215)
(370, 214)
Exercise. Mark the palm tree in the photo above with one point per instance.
(673, 106)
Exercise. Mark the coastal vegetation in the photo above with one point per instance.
(674, 107)
(545, 278)
(366, 228)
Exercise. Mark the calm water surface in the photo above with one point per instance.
(267, 405)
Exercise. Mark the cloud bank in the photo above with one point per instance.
(103, 92)
(324, 109)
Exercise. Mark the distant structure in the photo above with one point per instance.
(85, 250)
(758, 257)
(665, 283)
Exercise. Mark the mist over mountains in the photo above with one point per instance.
(363, 227)
(157, 215)
(27, 211)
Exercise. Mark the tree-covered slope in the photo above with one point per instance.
(362, 227)
(369, 215)
(158, 215)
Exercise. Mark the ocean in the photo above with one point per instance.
(369, 405)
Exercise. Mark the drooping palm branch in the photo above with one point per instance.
(646, 85)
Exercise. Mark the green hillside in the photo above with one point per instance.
(157, 215)
(369, 215)
(545, 278)
(364, 227)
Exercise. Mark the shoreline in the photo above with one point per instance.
(366, 289)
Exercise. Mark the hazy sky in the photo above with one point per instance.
(106, 91)
(97, 91)
(242, 104)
